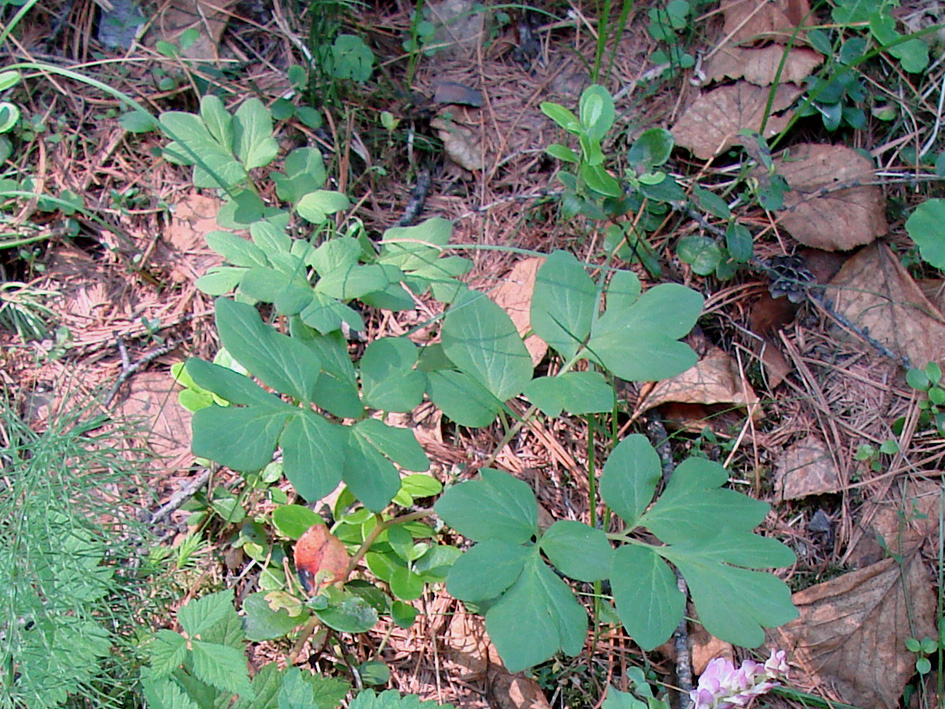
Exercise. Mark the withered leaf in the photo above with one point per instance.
(461, 144)
(805, 468)
(320, 558)
(748, 21)
(514, 296)
(830, 205)
(713, 380)
(711, 124)
(208, 17)
(852, 630)
(760, 65)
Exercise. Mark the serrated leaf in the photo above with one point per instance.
(576, 392)
(462, 399)
(630, 476)
(497, 506)
(649, 603)
(388, 378)
(221, 667)
(391, 699)
(482, 341)
(198, 615)
(243, 439)
(288, 366)
(694, 505)
(313, 451)
(167, 652)
(564, 303)
(577, 550)
(536, 618)
(487, 570)
(252, 134)
(163, 693)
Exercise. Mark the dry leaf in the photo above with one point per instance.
(830, 206)
(706, 647)
(760, 65)
(852, 630)
(875, 292)
(711, 124)
(460, 94)
(903, 521)
(320, 558)
(462, 145)
(805, 468)
(713, 380)
(460, 26)
(189, 257)
(759, 20)
(208, 17)
(514, 296)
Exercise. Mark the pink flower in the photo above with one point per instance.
(721, 686)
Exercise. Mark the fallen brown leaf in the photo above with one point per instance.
(713, 121)
(461, 144)
(852, 630)
(706, 647)
(830, 206)
(318, 550)
(760, 65)
(805, 468)
(762, 20)
(208, 17)
(875, 292)
(514, 296)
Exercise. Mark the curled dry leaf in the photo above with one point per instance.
(875, 292)
(852, 630)
(320, 558)
(830, 205)
(208, 18)
(760, 65)
(749, 21)
(514, 296)
(713, 121)
(805, 468)
(462, 145)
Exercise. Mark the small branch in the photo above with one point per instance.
(180, 497)
(128, 367)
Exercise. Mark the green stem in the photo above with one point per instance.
(380, 527)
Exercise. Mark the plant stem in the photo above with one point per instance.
(376, 532)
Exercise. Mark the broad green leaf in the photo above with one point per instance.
(252, 134)
(220, 280)
(193, 144)
(536, 618)
(217, 120)
(236, 250)
(167, 652)
(398, 444)
(497, 506)
(564, 303)
(289, 291)
(616, 699)
(351, 58)
(198, 615)
(482, 341)
(288, 366)
(435, 565)
(630, 476)
(562, 116)
(601, 181)
(733, 604)
(260, 622)
(639, 343)
(694, 505)
(222, 667)
(388, 378)
(710, 202)
(576, 392)
(337, 387)
(739, 242)
(163, 693)
(739, 548)
(413, 247)
(462, 399)
(232, 386)
(487, 570)
(700, 252)
(326, 314)
(335, 254)
(562, 152)
(623, 290)
(651, 149)
(403, 614)
(406, 585)
(304, 173)
(243, 439)
(391, 699)
(294, 520)
(313, 451)
(352, 615)
(316, 206)
(577, 550)
(368, 474)
(269, 237)
(649, 603)
(421, 485)
(353, 281)
(383, 565)
(925, 228)
(597, 111)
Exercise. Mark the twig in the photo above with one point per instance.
(128, 367)
(656, 432)
(190, 489)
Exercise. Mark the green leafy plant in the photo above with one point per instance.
(932, 407)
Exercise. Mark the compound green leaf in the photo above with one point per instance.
(398, 444)
(351, 58)
(622, 700)
(167, 651)
(326, 315)
(162, 693)
(739, 548)
(482, 341)
(229, 385)
(925, 227)
(288, 366)
(564, 303)
(415, 247)
(370, 476)
(623, 290)
(630, 476)
(221, 667)
(388, 378)
(335, 254)
(193, 144)
(243, 439)
(236, 250)
(487, 570)
(269, 237)
(313, 451)
(391, 699)
(269, 285)
(497, 506)
(462, 399)
(576, 392)
(536, 618)
(694, 505)
(639, 343)
(252, 134)
(199, 615)
(649, 603)
(262, 623)
(220, 280)
(578, 550)
(337, 388)
(733, 604)
(351, 282)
